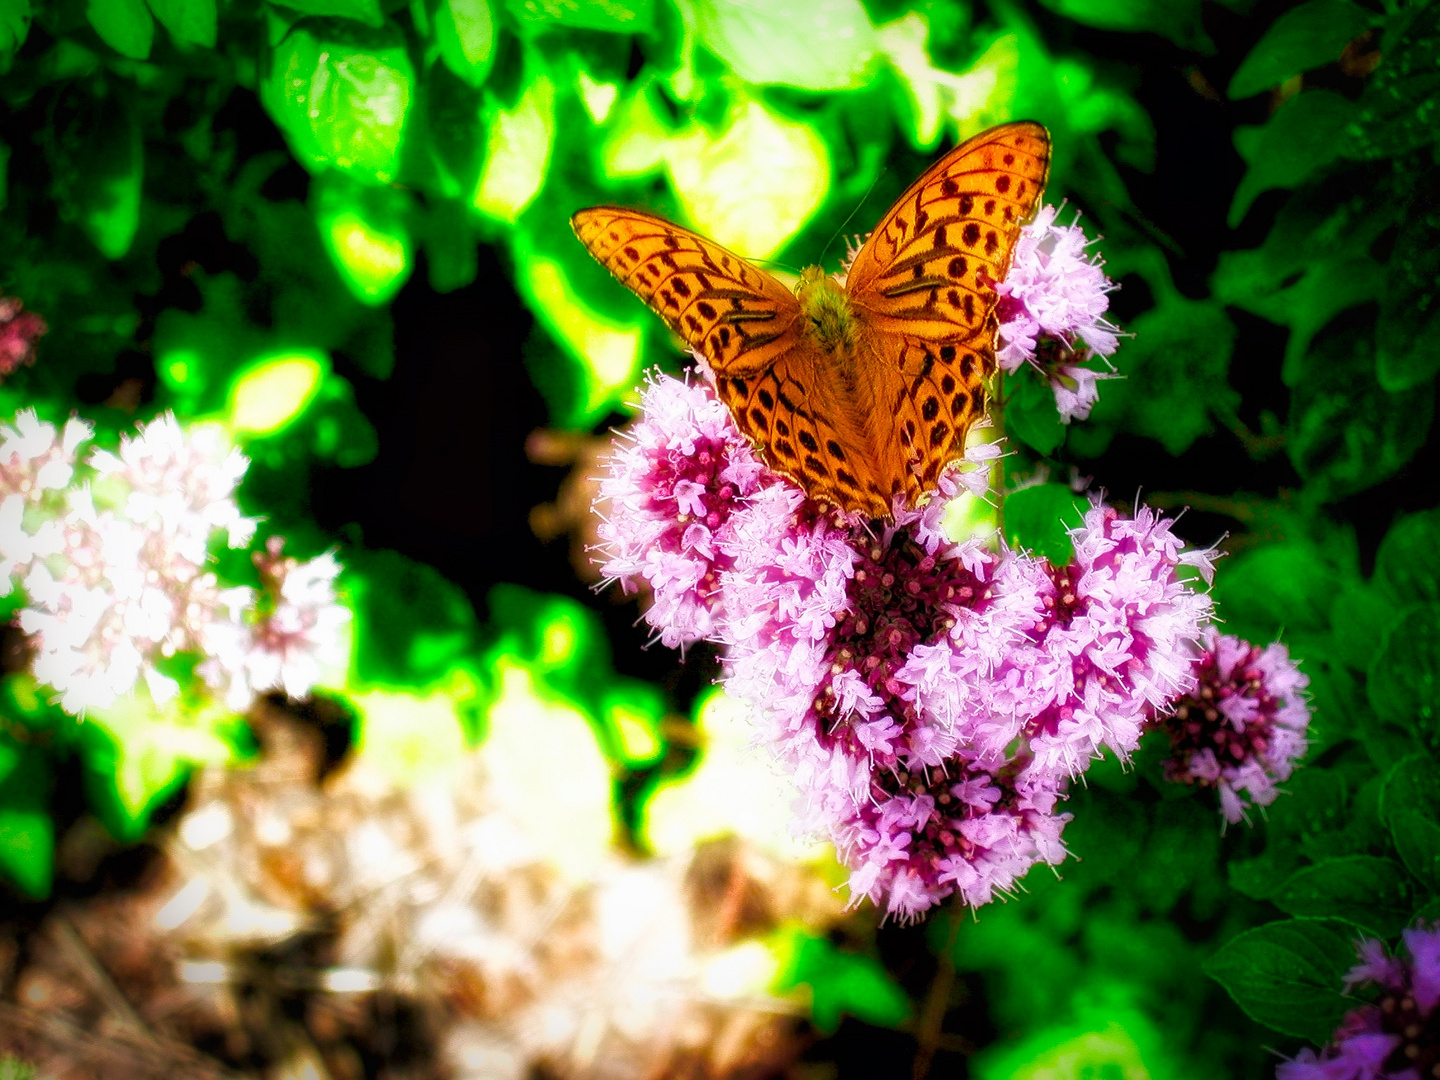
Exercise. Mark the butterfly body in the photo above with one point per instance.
(862, 393)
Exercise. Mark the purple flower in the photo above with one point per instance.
(1397, 1037)
(1052, 312)
(673, 482)
(1116, 636)
(1242, 729)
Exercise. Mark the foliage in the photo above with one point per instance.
(218, 206)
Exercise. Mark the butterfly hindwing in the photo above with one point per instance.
(735, 315)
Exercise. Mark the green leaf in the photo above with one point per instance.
(98, 164)
(1417, 839)
(1411, 786)
(827, 46)
(1359, 619)
(1178, 20)
(1304, 134)
(1037, 519)
(1287, 975)
(1176, 370)
(1363, 889)
(1304, 37)
(1405, 566)
(1286, 584)
(124, 25)
(843, 982)
(1408, 333)
(1030, 412)
(189, 22)
(411, 624)
(616, 16)
(450, 247)
(14, 26)
(342, 94)
(365, 11)
(1404, 680)
(1397, 109)
(1346, 433)
(465, 33)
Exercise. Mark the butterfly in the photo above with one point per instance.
(864, 391)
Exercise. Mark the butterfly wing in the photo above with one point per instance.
(923, 291)
(748, 327)
(739, 318)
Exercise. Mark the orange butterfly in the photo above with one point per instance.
(863, 391)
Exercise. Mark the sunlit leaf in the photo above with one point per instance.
(971, 100)
(465, 32)
(755, 185)
(188, 22)
(366, 234)
(341, 95)
(124, 25)
(821, 45)
(517, 153)
(274, 391)
(619, 16)
(1302, 38)
(412, 738)
(98, 163)
(1113, 1050)
(1304, 134)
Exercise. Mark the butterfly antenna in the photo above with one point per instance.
(868, 191)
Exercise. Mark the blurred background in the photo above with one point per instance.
(501, 836)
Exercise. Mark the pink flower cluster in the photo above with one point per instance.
(1397, 1037)
(931, 699)
(19, 330)
(1052, 312)
(1243, 727)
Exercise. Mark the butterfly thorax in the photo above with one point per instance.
(825, 307)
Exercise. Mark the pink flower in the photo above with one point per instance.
(1052, 312)
(673, 482)
(1395, 1038)
(1242, 729)
(1116, 636)
(19, 330)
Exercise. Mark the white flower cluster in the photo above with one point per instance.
(114, 565)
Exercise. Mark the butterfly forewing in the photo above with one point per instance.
(930, 267)
(735, 315)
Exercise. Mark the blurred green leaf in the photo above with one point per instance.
(1345, 433)
(822, 46)
(1176, 370)
(843, 983)
(1407, 334)
(517, 153)
(1417, 839)
(1361, 889)
(366, 11)
(189, 22)
(1404, 680)
(1405, 565)
(1304, 134)
(1030, 411)
(1037, 519)
(1411, 786)
(450, 246)
(341, 94)
(1178, 20)
(411, 624)
(618, 16)
(465, 32)
(14, 28)
(1179, 853)
(1359, 618)
(1398, 106)
(1289, 584)
(27, 835)
(124, 25)
(1302, 38)
(98, 164)
(366, 233)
